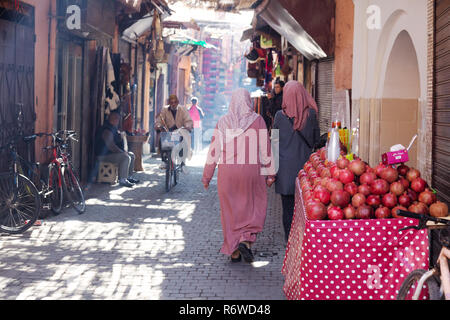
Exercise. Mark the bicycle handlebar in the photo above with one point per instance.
(423, 219)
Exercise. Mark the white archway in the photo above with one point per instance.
(400, 96)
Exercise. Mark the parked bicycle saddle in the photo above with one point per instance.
(30, 139)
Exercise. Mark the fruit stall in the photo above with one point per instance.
(346, 241)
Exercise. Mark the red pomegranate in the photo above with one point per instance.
(342, 163)
(346, 176)
(397, 188)
(389, 174)
(325, 173)
(418, 185)
(316, 211)
(357, 167)
(364, 189)
(364, 212)
(367, 178)
(412, 194)
(418, 207)
(427, 197)
(349, 212)
(439, 209)
(379, 187)
(340, 198)
(389, 200)
(412, 174)
(351, 188)
(404, 182)
(404, 200)
(382, 213)
(373, 200)
(335, 213)
(402, 169)
(358, 200)
(379, 169)
(335, 173)
(334, 185)
(322, 194)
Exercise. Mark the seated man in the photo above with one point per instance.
(109, 147)
(173, 117)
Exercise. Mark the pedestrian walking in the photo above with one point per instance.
(197, 115)
(241, 186)
(298, 133)
(276, 98)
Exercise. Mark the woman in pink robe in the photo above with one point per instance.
(241, 148)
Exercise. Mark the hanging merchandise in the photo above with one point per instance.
(253, 70)
(260, 82)
(266, 43)
(112, 100)
(278, 72)
(252, 56)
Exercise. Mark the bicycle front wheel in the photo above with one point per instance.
(55, 186)
(169, 175)
(20, 203)
(409, 286)
(73, 190)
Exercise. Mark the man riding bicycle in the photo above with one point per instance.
(174, 117)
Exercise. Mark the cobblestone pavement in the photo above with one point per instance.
(141, 243)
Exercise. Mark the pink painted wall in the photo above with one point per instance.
(344, 44)
(44, 67)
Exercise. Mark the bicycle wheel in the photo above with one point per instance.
(55, 186)
(19, 206)
(73, 190)
(409, 285)
(176, 176)
(169, 171)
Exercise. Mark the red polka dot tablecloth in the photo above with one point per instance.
(350, 259)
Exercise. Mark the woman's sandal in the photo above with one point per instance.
(246, 253)
(238, 259)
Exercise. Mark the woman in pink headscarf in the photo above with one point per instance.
(241, 148)
(298, 133)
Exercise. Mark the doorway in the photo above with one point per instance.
(68, 111)
(400, 103)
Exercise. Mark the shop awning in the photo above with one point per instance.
(138, 28)
(193, 42)
(133, 32)
(247, 34)
(134, 5)
(275, 15)
(246, 4)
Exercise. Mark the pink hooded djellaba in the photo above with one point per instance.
(240, 147)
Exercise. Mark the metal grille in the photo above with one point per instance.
(325, 86)
(16, 76)
(441, 117)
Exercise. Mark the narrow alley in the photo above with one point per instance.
(142, 243)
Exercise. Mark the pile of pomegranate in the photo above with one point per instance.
(354, 190)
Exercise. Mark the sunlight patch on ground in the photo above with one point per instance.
(259, 264)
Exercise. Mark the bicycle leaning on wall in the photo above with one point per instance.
(437, 279)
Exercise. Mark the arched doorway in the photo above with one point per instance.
(400, 99)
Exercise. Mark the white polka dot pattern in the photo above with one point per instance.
(350, 259)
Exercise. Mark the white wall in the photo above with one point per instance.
(372, 48)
